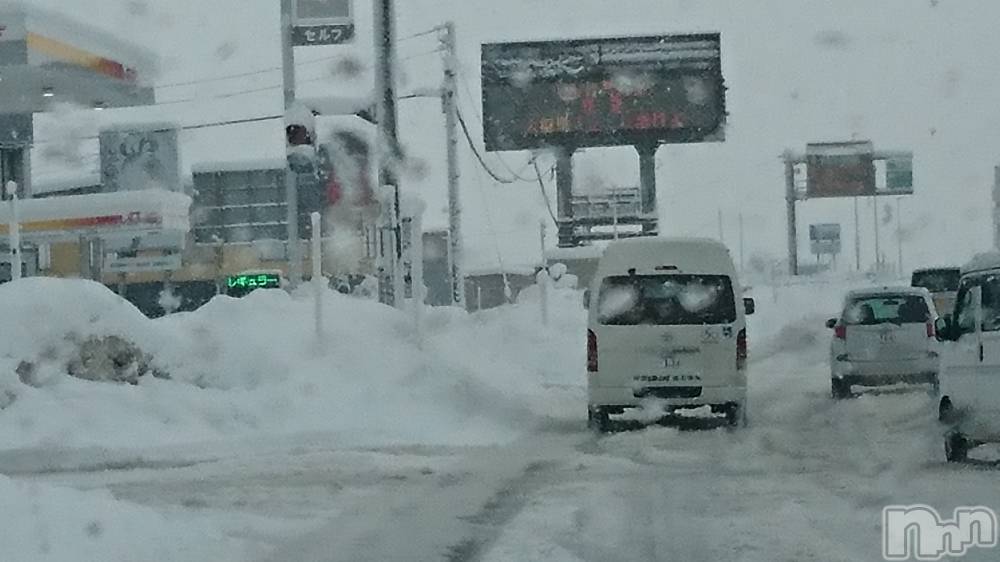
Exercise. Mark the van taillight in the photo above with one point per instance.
(930, 330)
(840, 332)
(741, 349)
(591, 351)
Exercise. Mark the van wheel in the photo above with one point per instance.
(598, 419)
(946, 410)
(956, 447)
(839, 389)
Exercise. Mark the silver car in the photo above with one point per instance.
(884, 336)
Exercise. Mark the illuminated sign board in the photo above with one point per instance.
(246, 282)
(603, 92)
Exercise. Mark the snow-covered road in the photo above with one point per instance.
(807, 481)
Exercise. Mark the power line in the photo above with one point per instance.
(475, 151)
(421, 54)
(243, 74)
(516, 174)
(240, 92)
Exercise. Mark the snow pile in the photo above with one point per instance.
(50, 524)
(254, 367)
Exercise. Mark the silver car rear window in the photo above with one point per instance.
(886, 309)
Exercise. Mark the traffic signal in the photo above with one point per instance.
(298, 135)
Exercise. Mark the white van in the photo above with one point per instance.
(666, 320)
(970, 366)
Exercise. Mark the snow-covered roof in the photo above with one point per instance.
(239, 165)
(580, 252)
(982, 262)
(58, 183)
(81, 38)
(927, 269)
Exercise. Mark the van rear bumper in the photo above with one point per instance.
(629, 397)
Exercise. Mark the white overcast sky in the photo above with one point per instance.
(908, 74)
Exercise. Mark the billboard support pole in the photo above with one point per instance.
(899, 236)
(647, 187)
(793, 249)
(878, 249)
(857, 238)
(291, 178)
(564, 195)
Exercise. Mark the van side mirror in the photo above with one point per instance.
(749, 306)
(943, 328)
(831, 323)
(586, 298)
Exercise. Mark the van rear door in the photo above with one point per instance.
(666, 335)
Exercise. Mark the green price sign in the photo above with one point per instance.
(254, 281)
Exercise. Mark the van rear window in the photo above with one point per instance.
(666, 300)
(937, 280)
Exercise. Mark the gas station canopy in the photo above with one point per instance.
(46, 57)
(113, 217)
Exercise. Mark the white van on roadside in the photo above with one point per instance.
(970, 363)
(666, 320)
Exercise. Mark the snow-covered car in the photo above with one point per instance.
(666, 321)
(970, 369)
(942, 282)
(884, 336)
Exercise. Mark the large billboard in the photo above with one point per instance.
(135, 159)
(840, 169)
(603, 92)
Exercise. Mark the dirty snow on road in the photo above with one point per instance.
(519, 479)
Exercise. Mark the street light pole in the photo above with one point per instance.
(291, 178)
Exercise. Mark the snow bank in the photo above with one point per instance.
(50, 524)
(253, 367)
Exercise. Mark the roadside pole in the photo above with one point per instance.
(448, 92)
(857, 238)
(14, 232)
(389, 153)
(417, 273)
(291, 178)
(543, 277)
(793, 244)
(317, 275)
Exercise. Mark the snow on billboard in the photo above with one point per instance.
(603, 92)
(137, 158)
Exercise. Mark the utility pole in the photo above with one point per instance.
(899, 237)
(448, 105)
(389, 153)
(793, 240)
(291, 178)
